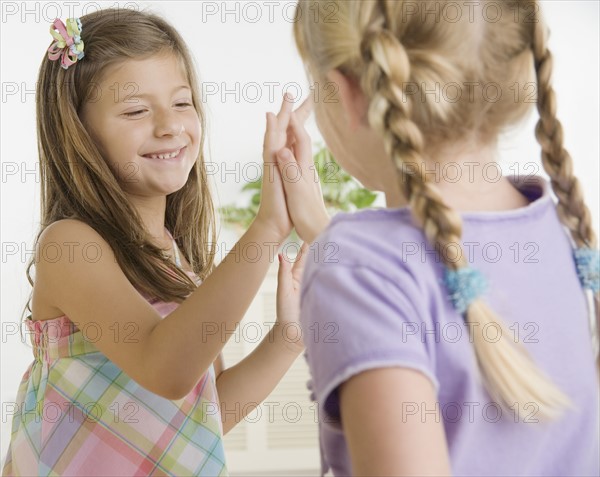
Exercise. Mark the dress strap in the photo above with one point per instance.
(177, 257)
(175, 249)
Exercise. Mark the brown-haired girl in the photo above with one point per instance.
(127, 377)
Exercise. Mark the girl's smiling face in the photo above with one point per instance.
(144, 123)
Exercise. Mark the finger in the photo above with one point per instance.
(302, 144)
(287, 103)
(283, 117)
(283, 276)
(272, 174)
(290, 137)
(288, 168)
(268, 139)
(270, 168)
(272, 135)
(298, 268)
(304, 111)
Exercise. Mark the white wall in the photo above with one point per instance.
(235, 52)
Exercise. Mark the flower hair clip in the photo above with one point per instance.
(68, 45)
(587, 263)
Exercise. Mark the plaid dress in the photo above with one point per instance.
(79, 414)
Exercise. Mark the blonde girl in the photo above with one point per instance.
(128, 378)
(449, 333)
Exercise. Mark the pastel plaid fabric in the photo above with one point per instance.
(77, 413)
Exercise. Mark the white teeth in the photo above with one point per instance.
(165, 156)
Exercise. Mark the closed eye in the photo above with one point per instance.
(135, 113)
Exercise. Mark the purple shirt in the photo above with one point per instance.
(372, 298)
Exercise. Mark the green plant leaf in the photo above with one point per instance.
(341, 192)
(254, 185)
(361, 198)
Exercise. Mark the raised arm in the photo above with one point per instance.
(167, 356)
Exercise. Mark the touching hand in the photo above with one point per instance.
(300, 178)
(289, 279)
(272, 210)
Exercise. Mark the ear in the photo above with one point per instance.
(352, 98)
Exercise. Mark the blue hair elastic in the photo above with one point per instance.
(587, 263)
(464, 286)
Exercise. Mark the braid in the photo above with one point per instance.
(557, 162)
(510, 374)
(389, 112)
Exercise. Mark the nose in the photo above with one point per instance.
(167, 123)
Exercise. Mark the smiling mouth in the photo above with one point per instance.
(168, 155)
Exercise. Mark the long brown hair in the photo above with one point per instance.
(383, 47)
(77, 183)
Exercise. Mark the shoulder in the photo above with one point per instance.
(362, 302)
(67, 229)
(358, 271)
(69, 244)
(381, 242)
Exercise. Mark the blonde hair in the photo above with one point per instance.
(76, 182)
(384, 45)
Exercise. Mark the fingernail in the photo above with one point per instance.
(279, 257)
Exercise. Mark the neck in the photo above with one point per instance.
(152, 212)
(467, 182)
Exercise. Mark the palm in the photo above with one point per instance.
(278, 135)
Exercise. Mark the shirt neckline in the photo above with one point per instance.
(534, 187)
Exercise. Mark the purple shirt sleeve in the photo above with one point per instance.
(354, 319)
